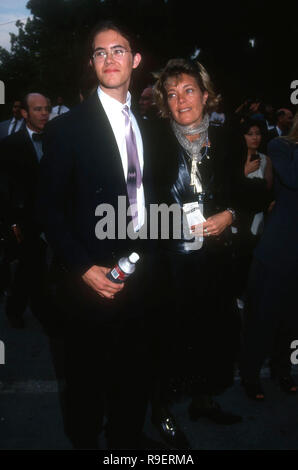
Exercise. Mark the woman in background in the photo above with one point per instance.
(250, 224)
(271, 303)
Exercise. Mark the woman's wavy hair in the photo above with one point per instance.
(249, 123)
(175, 68)
(245, 127)
(293, 134)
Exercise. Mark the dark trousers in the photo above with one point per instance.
(270, 320)
(107, 367)
(28, 283)
(106, 373)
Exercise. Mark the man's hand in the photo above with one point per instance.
(217, 223)
(271, 205)
(96, 278)
(251, 166)
(17, 233)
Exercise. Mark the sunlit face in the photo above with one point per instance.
(253, 138)
(114, 72)
(185, 100)
(38, 112)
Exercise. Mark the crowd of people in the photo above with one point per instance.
(217, 297)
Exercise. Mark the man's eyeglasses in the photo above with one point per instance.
(118, 53)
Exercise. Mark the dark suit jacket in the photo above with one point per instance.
(4, 126)
(272, 134)
(19, 174)
(81, 169)
(279, 244)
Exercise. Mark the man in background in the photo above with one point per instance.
(21, 153)
(60, 108)
(14, 124)
(284, 120)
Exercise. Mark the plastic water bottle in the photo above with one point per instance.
(123, 269)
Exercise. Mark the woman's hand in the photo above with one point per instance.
(251, 165)
(217, 223)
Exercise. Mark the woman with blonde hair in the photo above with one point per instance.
(192, 170)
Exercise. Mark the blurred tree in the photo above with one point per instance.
(48, 51)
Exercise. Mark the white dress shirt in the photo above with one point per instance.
(18, 125)
(113, 109)
(279, 131)
(257, 225)
(63, 109)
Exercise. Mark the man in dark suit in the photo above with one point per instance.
(87, 163)
(284, 119)
(14, 124)
(20, 156)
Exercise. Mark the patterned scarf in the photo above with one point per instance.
(193, 149)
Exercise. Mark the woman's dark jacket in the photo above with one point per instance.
(224, 185)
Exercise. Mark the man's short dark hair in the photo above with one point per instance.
(280, 113)
(117, 26)
(24, 102)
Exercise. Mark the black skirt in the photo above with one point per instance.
(200, 332)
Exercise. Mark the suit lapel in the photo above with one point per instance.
(28, 147)
(102, 146)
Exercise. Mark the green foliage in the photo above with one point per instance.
(47, 52)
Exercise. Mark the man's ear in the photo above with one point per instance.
(24, 114)
(136, 60)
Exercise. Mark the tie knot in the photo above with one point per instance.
(125, 110)
(37, 137)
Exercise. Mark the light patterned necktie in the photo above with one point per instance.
(13, 129)
(134, 175)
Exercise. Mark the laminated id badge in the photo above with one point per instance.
(194, 216)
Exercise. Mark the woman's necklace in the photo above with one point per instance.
(195, 177)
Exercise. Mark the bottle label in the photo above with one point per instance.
(118, 274)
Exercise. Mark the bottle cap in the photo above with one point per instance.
(134, 257)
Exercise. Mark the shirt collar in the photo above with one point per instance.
(30, 132)
(110, 103)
